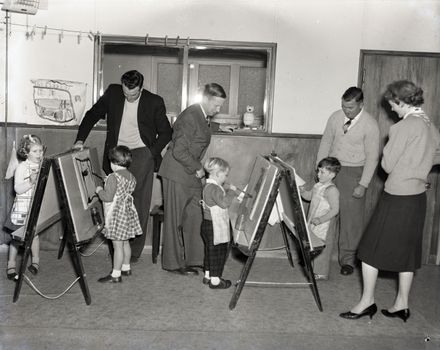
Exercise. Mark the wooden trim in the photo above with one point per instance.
(45, 126)
(361, 69)
(185, 77)
(269, 96)
(233, 88)
(97, 68)
(364, 53)
(140, 40)
(223, 134)
(198, 44)
(400, 53)
(267, 135)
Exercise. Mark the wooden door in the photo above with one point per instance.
(377, 70)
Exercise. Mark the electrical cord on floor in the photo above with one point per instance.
(93, 252)
(29, 282)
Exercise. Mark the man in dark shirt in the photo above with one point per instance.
(136, 118)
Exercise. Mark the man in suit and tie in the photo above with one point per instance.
(136, 118)
(182, 174)
(352, 136)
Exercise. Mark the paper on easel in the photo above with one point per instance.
(277, 212)
(299, 181)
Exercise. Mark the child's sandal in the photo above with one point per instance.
(33, 268)
(11, 273)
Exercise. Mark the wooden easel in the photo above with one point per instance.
(299, 236)
(68, 237)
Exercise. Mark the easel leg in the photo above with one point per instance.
(286, 243)
(27, 251)
(315, 292)
(310, 275)
(79, 269)
(156, 238)
(242, 280)
(62, 244)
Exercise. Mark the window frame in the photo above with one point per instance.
(186, 45)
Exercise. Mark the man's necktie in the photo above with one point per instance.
(347, 125)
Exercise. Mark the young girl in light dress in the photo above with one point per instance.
(324, 207)
(121, 218)
(31, 151)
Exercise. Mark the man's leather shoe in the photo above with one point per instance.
(205, 280)
(181, 271)
(346, 270)
(185, 271)
(110, 279)
(197, 267)
(126, 273)
(191, 271)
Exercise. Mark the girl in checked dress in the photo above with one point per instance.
(121, 218)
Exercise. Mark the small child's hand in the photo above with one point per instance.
(200, 173)
(316, 221)
(98, 189)
(232, 187)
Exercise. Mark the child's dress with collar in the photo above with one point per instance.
(121, 218)
(22, 201)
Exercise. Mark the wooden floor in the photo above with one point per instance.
(154, 309)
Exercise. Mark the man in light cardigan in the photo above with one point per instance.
(352, 136)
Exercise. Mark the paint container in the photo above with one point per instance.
(96, 217)
(239, 224)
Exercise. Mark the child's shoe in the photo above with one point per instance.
(224, 284)
(110, 279)
(33, 268)
(206, 280)
(11, 274)
(126, 273)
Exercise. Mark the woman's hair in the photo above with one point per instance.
(26, 142)
(216, 164)
(331, 164)
(132, 79)
(405, 91)
(120, 155)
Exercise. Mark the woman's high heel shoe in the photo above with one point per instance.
(369, 311)
(402, 314)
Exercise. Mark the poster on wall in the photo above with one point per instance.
(50, 78)
(60, 101)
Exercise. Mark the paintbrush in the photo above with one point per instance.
(240, 190)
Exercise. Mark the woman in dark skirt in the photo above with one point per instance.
(393, 238)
